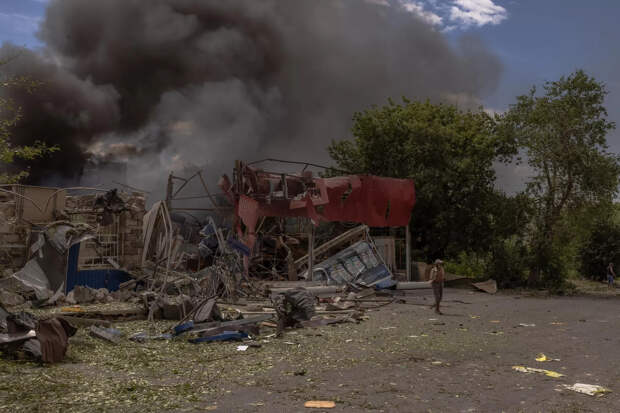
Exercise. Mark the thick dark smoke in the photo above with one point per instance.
(167, 84)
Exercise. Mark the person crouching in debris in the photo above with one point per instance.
(437, 277)
(292, 307)
(610, 275)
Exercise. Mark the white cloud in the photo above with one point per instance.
(477, 12)
(449, 15)
(418, 9)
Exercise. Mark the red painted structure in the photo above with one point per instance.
(366, 199)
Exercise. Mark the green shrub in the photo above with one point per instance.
(509, 263)
(470, 265)
(601, 248)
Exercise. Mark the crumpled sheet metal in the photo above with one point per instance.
(32, 276)
(371, 200)
(367, 199)
(62, 235)
(46, 271)
(357, 264)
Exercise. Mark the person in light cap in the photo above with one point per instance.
(437, 277)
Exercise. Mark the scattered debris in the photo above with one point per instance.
(143, 337)
(111, 335)
(292, 307)
(589, 389)
(43, 340)
(10, 299)
(362, 255)
(489, 286)
(102, 246)
(541, 357)
(548, 373)
(224, 336)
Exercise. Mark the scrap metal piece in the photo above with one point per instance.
(489, 286)
(359, 265)
(110, 335)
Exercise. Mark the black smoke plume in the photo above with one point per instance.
(169, 83)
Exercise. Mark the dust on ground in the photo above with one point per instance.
(404, 358)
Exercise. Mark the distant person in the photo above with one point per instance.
(437, 276)
(610, 275)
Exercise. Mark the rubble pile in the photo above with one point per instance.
(249, 264)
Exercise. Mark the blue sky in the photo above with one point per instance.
(536, 40)
(19, 20)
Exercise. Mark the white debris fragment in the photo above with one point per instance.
(589, 389)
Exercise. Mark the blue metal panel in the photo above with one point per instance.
(110, 279)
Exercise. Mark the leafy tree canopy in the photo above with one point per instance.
(10, 115)
(563, 132)
(449, 153)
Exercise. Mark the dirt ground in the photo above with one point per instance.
(404, 358)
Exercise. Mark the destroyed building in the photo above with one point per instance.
(257, 241)
(114, 219)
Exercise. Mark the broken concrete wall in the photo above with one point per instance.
(121, 240)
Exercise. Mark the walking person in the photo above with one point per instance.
(437, 277)
(610, 275)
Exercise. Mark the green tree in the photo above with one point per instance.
(602, 245)
(563, 133)
(10, 115)
(449, 153)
